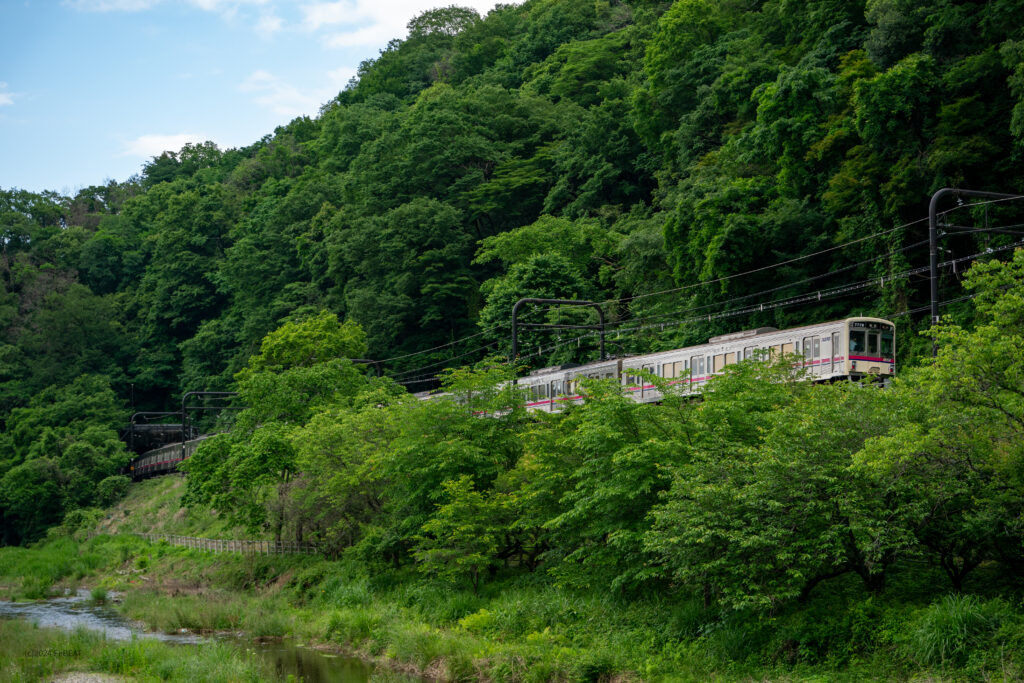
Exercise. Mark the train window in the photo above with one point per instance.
(668, 371)
(748, 352)
(873, 343)
(857, 344)
(835, 349)
(677, 369)
(807, 348)
(787, 348)
(887, 345)
(817, 347)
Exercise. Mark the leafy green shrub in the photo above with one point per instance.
(830, 629)
(308, 583)
(98, 595)
(111, 490)
(80, 519)
(477, 622)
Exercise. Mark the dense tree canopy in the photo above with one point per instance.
(663, 158)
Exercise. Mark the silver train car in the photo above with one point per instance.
(852, 348)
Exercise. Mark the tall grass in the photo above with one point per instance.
(212, 611)
(952, 630)
(29, 653)
(522, 628)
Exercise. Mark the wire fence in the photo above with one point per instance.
(243, 547)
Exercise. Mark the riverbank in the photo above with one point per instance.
(29, 653)
(525, 628)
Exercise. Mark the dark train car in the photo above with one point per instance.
(140, 438)
(162, 460)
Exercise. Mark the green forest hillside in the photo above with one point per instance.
(641, 154)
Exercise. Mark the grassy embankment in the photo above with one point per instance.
(154, 506)
(525, 628)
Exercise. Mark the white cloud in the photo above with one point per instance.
(339, 78)
(374, 34)
(280, 97)
(228, 6)
(285, 99)
(110, 5)
(6, 98)
(370, 22)
(320, 14)
(147, 146)
(224, 5)
(268, 25)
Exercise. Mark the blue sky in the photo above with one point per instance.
(91, 89)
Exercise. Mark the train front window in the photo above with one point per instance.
(857, 341)
(872, 343)
(887, 339)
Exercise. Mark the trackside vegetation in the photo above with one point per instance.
(552, 148)
(771, 529)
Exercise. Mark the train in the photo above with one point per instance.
(162, 460)
(851, 348)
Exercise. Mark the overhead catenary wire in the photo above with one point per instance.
(795, 259)
(413, 372)
(672, 290)
(791, 284)
(771, 305)
(723, 279)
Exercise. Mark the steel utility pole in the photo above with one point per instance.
(933, 246)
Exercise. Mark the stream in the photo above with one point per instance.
(287, 658)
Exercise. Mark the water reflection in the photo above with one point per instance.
(313, 665)
(286, 658)
(74, 611)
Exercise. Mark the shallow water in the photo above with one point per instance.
(288, 659)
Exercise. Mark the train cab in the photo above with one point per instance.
(871, 347)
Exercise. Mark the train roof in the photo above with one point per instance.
(733, 336)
